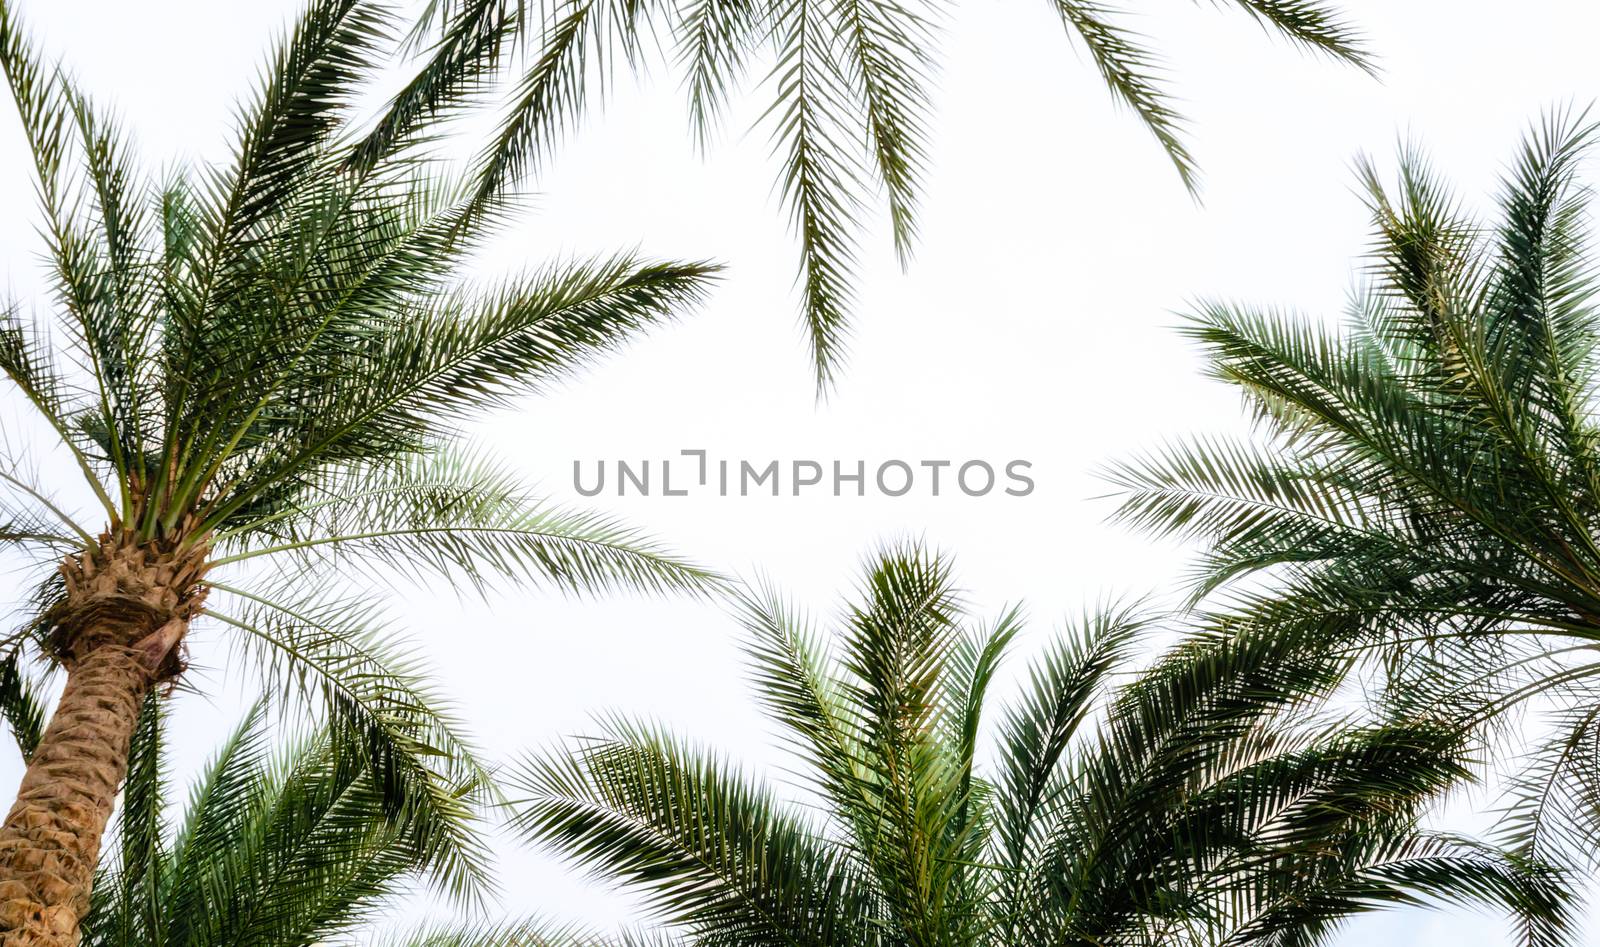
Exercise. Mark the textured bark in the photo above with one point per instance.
(50, 843)
(119, 633)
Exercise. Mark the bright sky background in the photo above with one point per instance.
(1057, 249)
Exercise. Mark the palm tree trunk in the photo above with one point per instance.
(50, 843)
(117, 632)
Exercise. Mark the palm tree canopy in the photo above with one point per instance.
(1183, 807)
(261, 371)
(233, 349)
(849, 87)
(1427, 476)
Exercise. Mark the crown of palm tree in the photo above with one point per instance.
(1428, 481)
(261, 371)
(849, 85)
(1180, 808)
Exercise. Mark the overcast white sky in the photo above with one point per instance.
(1035, 323)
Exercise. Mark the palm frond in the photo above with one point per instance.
(458, 67)
(578, 42)
(1134, 76)
(296, 846)
(526, 933)
(822, 177)
(389, 392)
(51, 111)
(706, 848)
(335, 651)
(715, 41)
(312, 81)
(458, 516)
(20, 703)
(139, 885)
(889, 49)
(1063, 688)
(1316, 26)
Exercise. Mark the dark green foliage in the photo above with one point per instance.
(1204, 801)
(1427, 482)
(292, 846)
(273, 848)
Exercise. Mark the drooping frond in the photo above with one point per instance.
(28, 363)
(336, 651)
(889, 49)
(821, 181)
(1134, 76)
(716, 39)
(1314, 26)
(848, 104)
(459, 517)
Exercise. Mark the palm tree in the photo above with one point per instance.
(1427, 480)
(1184, 807)
(260, 371)
(849, 106)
